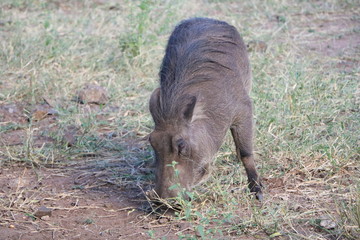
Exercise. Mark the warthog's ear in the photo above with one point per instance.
(154, 104)
(189, 108)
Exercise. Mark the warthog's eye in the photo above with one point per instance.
(181, 145)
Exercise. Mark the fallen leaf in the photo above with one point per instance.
(39, 115)
(276, 234)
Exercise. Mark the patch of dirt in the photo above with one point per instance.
(15, 121)
(335, 36)
(335, 47)
(85, 204)
(11, 138)
(12, 113)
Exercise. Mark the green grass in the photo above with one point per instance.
(306, 104)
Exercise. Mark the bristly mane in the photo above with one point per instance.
(198, 51)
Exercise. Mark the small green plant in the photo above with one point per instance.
(132, 42)
(88, 221)
(31, 216)
(184, 198)
(151, 234)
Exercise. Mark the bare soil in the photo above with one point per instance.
(85, 205)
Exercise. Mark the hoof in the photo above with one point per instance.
(257, 191)
(259, 196)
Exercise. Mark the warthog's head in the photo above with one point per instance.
(179, 143)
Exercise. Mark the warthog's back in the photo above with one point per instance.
(207, 58)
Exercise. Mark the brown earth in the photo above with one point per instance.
(85, 204)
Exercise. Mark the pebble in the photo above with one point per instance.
(92, 93)
(43, 211)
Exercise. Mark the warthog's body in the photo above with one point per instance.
(205, 80)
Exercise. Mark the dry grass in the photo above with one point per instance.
(306, 94)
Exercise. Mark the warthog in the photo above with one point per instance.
(205, 80)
